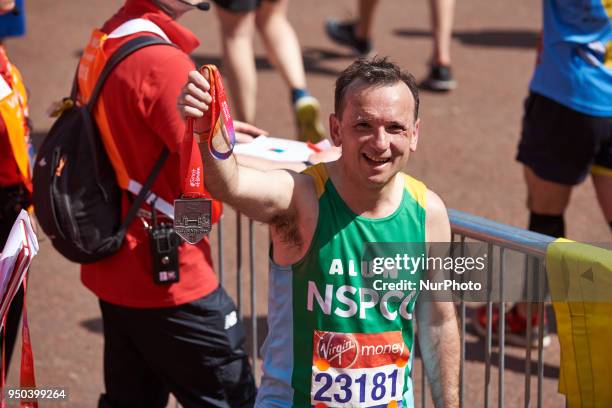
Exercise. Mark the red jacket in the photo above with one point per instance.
(139, 98)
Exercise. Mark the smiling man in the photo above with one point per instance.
(332, 341)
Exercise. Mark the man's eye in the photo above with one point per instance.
(362, 125)
(396, 129)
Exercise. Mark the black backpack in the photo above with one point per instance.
(76, 196)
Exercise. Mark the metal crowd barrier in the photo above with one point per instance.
(499, 238)
(533, 246)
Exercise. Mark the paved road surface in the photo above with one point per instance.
(466, 152)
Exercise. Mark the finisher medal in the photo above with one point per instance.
(193, 212)
(192, 218)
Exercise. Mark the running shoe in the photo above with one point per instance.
(343, 33)
(440, 79)
(516, 327)
(307, 114)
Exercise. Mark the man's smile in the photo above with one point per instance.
(375, 159)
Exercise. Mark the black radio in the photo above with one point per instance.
(164, 251)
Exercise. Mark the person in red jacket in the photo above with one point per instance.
(15, 175)
(181, 337)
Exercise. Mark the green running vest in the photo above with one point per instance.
(352, 345)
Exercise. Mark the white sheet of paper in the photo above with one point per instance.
(14, 243)
(5, 89)
(277, 149)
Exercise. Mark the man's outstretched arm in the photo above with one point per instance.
(437, 327)
(261, 195)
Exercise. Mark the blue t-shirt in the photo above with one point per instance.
(12, 25)
(575, 66)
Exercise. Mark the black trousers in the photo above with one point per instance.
(195, 351)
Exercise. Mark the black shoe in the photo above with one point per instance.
(440, 79)
(343, 33)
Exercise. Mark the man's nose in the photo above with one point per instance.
(381, 139)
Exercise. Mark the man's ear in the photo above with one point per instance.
(414, 137)
(334, 130)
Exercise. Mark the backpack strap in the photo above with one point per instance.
(144, 191)
(138, 25)
(118, 56)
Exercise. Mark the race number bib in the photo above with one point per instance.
(358, 370)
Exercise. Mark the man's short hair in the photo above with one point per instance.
(377, 71)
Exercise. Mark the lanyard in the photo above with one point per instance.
(220, 113)
(221, 120)
(27, 378)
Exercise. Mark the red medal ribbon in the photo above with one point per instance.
(190, 158)
(220, 120)
(191, 165)
(220, 116)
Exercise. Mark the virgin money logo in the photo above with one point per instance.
(340, 350)
(194, 180)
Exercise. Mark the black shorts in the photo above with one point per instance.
(239, 6)
(562, 145)
(195, 351)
